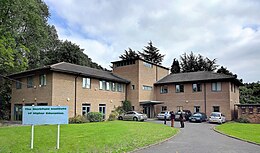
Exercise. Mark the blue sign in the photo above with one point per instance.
(34, 115)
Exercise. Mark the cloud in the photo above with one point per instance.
(226, 30)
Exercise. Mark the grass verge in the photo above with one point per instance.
(116, 136)
(244, 131)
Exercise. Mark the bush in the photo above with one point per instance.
(242, 120)
(78, 119)
(95, 117)
(113, 116)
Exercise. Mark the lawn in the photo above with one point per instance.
(248, 132)
(115, 136)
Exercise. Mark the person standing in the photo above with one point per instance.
(181, 120)
(172, 118)
(165, 117)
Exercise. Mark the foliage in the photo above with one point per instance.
(117, 136)
(95, 117)
(175, 68)
(78, 119)
(248, 132)
(250, 93)
(242, 120)
(151, 53)
(113, 116)
(224, 70)
(193, 63)
(126, 105)
(129, 55)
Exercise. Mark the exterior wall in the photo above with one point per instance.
(188, 99)
(234, 99)
(64, 88)
(33, 95)
(253, 117)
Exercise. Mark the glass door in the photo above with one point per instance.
(18, 111)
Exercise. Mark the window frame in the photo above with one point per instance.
(243, 109)
(42, 80)
(87, 83)
(88, 108)
(197, 88)
(214, 108)
(30, 82)
(250, 109)
(164, 89)
(214, 86)
(179, 88)
(18, 84)
(147, 88)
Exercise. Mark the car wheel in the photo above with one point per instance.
(135, 119)
(120, 118)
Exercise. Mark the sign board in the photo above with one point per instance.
(34, 115)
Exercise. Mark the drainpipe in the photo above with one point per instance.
(75, 100)
(205, 98)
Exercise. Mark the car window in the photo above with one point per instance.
(129, 113)
(162, 112)
(198, 115)
(215, 115)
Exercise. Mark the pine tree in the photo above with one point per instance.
(175, 68)
(151, 53)
(128, 55)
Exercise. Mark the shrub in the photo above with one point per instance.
(95, 117)
(78, 119)
(127, 106)
(113, 116)
(243, 120)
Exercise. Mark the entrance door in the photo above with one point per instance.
(196, 109)
(147, 111)
(18, 111)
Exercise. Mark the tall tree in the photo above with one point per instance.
(175, 68)
(224, 70)
(151, 53)
(193, 63)
(250, 93)
(129, 54)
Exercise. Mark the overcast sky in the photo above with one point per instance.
(228, 30)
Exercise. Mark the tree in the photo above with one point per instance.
(175, 68)
(151, 53)
(129, 55)
(224, 70)
(250, 93)
(193, 63)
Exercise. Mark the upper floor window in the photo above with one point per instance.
(216, 86)
(196, 87)
(179, 88)
(102, 85)
(18, 84)
(148, 65)
(42, 79)
(119, 87)
(86, 83)
(29, 82)
(147, 87)
(107, 85)
(164, 89)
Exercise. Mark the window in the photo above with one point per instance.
(102, 109)
(42, 104)
(196, 109)
(102, 85)
(119, 87)
(85, 109)
(231, 87)
(29, 82)
(18, 84)
(42, 79)
(196, 87)
(147, 87)
(113, 86)
(133, 108)
(179, 108)
(164, 89)
(251, 109)
(258, 110)
(133, 87)
(216, 109)
(107, 85)
(86, 83)
(179, 87)
(148, 65)
(243, 108)
(164, 108)
(216, 86)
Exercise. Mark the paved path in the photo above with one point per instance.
(200, 138)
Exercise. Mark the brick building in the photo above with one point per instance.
(249, 111)
(148, 86)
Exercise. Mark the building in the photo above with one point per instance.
(148, 86)
(249, 111)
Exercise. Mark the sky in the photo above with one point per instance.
(226, 30)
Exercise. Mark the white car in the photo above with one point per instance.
(133, 116)
(161, 115)
(217, 117)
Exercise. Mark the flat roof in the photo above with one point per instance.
(150, 102)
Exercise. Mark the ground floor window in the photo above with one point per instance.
(258, 109)
(251, 109)
(133, 108)
(85, 109)
(102, 109)
(216, 109)
(18, 111)
(28, 104)
(243, 108)
(179, 108)
(196, 109)
(164, 108)
(42, 104)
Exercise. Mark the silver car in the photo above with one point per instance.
(133, 116)
(161, 115)
(217, 117)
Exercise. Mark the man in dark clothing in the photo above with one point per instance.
(181, 120)
(165, 117)
(172, 118)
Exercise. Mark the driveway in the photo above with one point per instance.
(200, 138)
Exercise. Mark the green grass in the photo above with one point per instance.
(115, 136)
(248, 132)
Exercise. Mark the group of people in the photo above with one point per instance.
(172, 117)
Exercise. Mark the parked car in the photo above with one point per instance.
(160, 116)
(198, 117)
(133, 116)
(217, 117)
(186, 114)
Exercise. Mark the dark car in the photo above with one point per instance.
(198, 117)
(186, 114)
